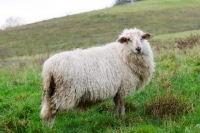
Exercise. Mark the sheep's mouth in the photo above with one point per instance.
(139, 52)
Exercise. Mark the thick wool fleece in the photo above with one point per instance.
(81, 78)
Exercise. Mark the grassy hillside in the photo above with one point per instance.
(169, 104)
(99, 27)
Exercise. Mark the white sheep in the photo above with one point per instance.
(81, 78)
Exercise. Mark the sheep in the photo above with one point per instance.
(81, 78)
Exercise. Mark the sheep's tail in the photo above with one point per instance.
(48, 111)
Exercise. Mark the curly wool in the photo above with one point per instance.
(81, 78)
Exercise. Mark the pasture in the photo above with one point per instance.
(169, 104)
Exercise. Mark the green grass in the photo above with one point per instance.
(176, 73)
(176, 79)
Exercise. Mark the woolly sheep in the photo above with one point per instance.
(81, 78)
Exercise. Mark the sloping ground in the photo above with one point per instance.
(99, 27)
(169, 104)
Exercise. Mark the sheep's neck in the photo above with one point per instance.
(140, 66)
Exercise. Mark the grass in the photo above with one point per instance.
(21, 98)
(169, 104)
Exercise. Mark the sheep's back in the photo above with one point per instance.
(98, 71)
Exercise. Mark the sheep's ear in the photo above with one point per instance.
(147, 36)
(123, 40)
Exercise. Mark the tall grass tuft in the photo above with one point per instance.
(189, 42)
(169, 106)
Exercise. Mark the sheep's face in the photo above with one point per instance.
(135, 39)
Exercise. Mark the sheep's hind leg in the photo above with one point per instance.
(48, 113)
(52, 117)
(117, 104)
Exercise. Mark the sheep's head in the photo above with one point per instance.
(135, 39)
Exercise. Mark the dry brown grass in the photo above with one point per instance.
(169, 106)
(189, 42)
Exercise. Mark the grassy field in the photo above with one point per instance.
(169, 104)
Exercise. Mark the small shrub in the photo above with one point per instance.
(167, 107)
(189, 42)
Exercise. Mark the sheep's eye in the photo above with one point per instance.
(129, 40)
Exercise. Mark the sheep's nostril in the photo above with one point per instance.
(138, 49)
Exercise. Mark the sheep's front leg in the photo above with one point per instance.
(117, 104)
